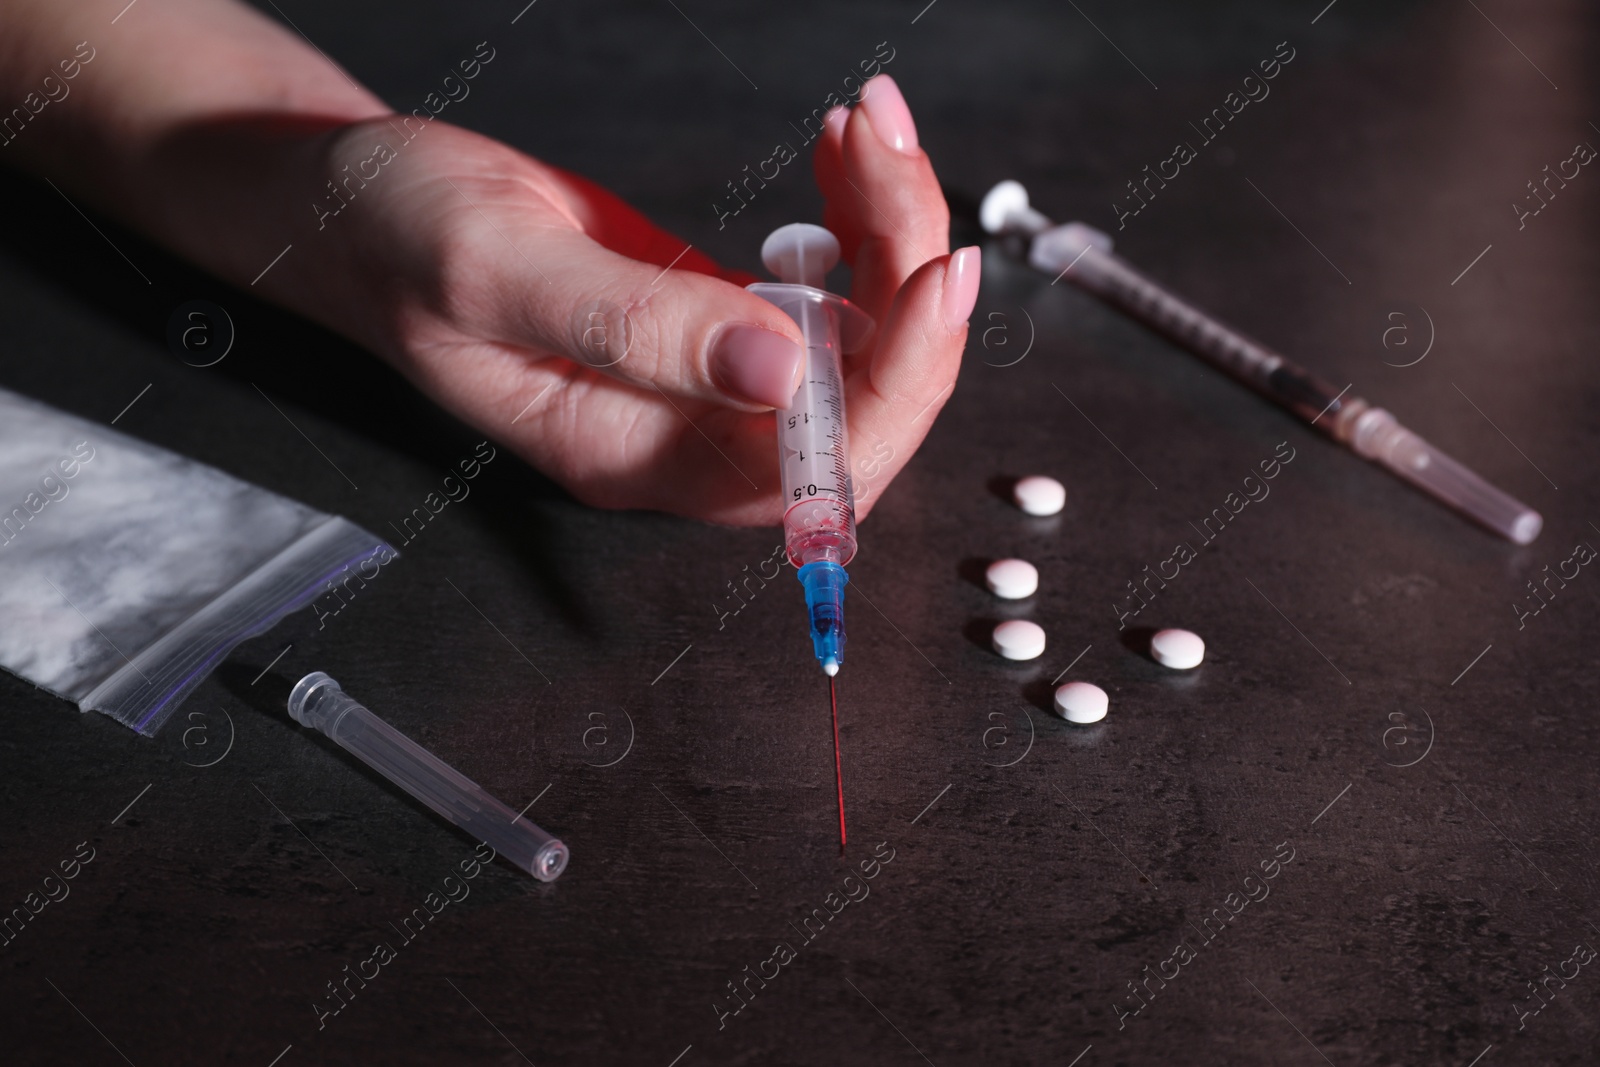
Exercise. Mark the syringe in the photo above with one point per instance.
(819, 506)
(1083, 256)
(819, 519)
(318, 702)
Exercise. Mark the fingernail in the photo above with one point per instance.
(961, 287)
(835, 120)
(756, 365)
(887, 112)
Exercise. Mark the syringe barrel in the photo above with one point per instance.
(819, 520)
(1082, 255)
(319, 702)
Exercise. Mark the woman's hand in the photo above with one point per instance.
(533, 304)
(541, 309)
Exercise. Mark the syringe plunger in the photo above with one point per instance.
(800, 254)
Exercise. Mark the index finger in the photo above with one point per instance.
(883, 200)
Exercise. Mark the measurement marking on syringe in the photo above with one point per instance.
(821, 493)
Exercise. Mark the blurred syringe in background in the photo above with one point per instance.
(1083, 256)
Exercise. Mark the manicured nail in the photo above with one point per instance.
(887, 112)
(836, 119)
(756, 365)
(961, 287)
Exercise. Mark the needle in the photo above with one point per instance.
(838, 771)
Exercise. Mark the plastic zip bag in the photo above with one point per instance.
(128, 572)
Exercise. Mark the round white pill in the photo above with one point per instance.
(1038, 495)
(1013, 579)
(1177, 648)
(1019, 639)
(1081, 702)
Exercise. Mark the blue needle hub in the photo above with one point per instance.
(824, 584)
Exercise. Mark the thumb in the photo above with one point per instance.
(681, 332)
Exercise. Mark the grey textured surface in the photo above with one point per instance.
(1341, 613)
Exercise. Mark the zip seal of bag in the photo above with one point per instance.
(147, 689)
(128, 572)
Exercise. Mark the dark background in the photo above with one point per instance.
(1340, 613)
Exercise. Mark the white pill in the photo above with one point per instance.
(1013, 579)
(1038, 495)
(1019, 639)
(1081, 702)
(1178, 648)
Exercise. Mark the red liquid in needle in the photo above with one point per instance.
(838, 771)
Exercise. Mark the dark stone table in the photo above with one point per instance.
(1357, 835)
